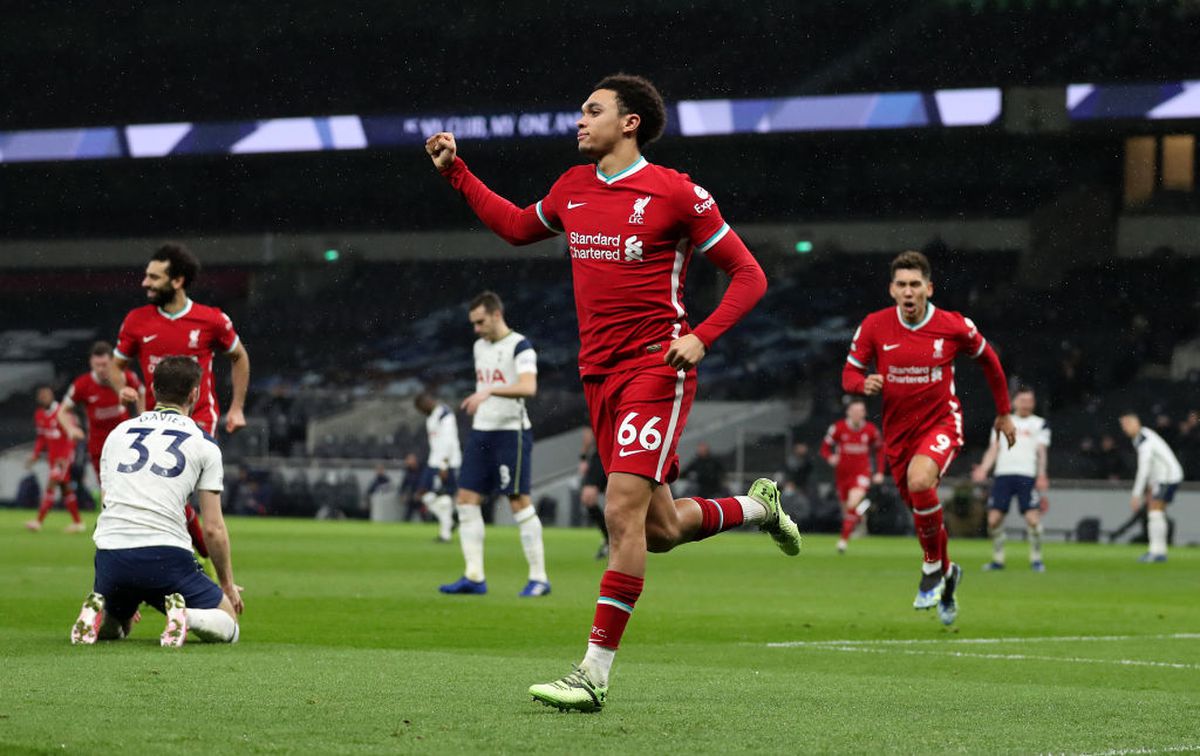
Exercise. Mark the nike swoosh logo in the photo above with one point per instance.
(623, 453)
(572, 205)
(148, 339)
(890, 347)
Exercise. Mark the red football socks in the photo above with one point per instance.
(195, 530)
(717, 516)
(850, 521)
(618, 594)
(927, 516)
(72, 505)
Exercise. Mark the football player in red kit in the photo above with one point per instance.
(913, 346)
(104, 407)
(172, 324)
(60, 452)
(625, 222)
(849, 447)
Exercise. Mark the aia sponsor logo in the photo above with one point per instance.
(488, 377)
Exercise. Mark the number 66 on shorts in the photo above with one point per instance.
(638, 416)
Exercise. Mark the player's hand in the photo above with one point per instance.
(441, 149)
(75, 433)
(234, 592)
(685, 352)
(877, 479)
(235, 421)
(472, 402)
(1042, 484)
(1004, 427)
(29, 463)
(873, 385)
(833, 460)
(978, 474)
(129, 395)
(1135, 503)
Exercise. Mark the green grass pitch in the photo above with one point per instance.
(347, 647)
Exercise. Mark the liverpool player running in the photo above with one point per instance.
(60, 451)
(105, 408)
(624, 220)
(913, 346)
(172, 324)
(848, 447)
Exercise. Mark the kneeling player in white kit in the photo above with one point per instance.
(149, 467)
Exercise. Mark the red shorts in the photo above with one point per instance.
(60, 470)
(638, 416)
(845, 483)
(941, 444)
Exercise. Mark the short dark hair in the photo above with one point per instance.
(1130, 413)
(636, 94)
(855, 399)
(180, 262)
(424, 399)
(488, 300)
(1023, 389)
(912, 260)
(101, 349)
(174, 379)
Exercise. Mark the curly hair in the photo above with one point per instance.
(635, 94)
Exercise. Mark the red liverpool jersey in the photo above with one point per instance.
(630, 237)
(854, 447)
(149, 334)
(917, 365)
(623, 234)
(51, 438)
(102, 405)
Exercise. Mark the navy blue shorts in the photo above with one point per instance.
(497, 462)
(431, 480)
(128, 577)
(1165, 492)
(1005, 487)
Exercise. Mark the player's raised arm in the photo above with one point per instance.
(828, 447)
(506, 220)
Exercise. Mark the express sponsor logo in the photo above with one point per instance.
(706, 200)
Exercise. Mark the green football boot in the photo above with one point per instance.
(575, 692)
(777, 522)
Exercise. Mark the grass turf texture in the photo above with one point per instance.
(347, 647)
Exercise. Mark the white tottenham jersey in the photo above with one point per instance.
(498, 363)
(149, 467)
(1157, 464)
(1021, 459)
(442, 429)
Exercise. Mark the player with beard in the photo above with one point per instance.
(631, 228)
(913, 346)
(173, 324)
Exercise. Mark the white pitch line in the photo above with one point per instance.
(1148, 749)
(1011, 657)
(982, 641)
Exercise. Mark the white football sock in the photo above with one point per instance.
(929, 568)
(531, 542)
(1035, 542)
(212, 625)
(997, 535)
(470, 536)
(1156, 529)
(752, 509)
(597, 662)
(443, 510)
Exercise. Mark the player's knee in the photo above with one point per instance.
(922, 478)
(661, 537)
